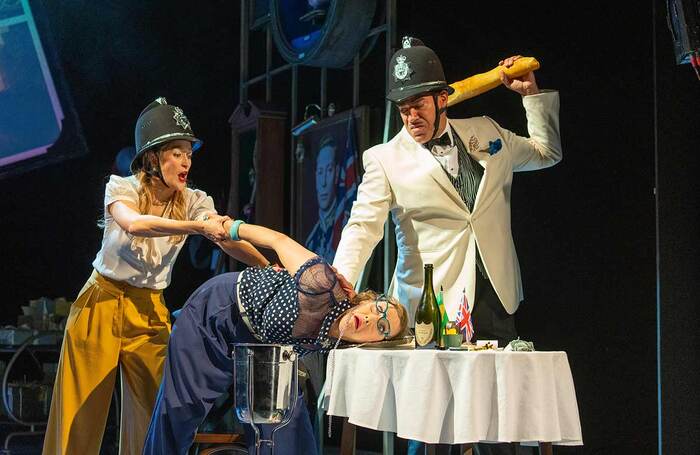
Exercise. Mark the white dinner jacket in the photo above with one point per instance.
(433, 225)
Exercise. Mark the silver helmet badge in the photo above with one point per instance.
(402, 70)
(181, 119)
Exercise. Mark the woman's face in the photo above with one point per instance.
(175, 162)
(365, 323)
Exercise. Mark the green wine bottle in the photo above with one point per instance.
(427, 315)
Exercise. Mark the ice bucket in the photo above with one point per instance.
(265, 382)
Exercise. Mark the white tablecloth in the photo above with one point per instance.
(455, 397)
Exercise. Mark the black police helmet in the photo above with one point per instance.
(414, 70)
(157, 124)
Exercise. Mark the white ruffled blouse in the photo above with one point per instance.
(144, 262)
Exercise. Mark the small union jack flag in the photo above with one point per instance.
(464, 318)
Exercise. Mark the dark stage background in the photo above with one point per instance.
(585, 229)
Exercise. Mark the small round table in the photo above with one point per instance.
(456, 397)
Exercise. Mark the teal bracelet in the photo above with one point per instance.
(233, 232)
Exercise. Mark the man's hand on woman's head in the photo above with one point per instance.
(525, 85)
(347, 287)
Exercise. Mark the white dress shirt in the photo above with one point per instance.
(447, 156)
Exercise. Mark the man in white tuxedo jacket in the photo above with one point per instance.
(447, 185)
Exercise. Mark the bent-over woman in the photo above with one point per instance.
(305, 304)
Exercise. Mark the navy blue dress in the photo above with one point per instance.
(198, 369)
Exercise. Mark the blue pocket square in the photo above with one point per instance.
(495, 146)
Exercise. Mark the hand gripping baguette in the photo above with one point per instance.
(480, 83)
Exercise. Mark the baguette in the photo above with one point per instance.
(483, 82)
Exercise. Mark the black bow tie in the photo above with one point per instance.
(443, 141)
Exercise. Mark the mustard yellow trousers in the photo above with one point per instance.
(110, 325)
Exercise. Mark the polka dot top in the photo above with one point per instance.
(295, 310)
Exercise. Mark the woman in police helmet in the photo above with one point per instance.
(119, 318)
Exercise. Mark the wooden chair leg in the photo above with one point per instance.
(545, 448)
(466, 449)
(347, 439)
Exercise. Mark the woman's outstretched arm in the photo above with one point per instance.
(291, 254)
(135, 223)
(243, 251)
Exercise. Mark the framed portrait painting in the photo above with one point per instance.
(328, 163)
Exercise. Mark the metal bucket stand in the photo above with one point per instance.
(250, 398)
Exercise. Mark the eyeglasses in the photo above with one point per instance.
(381, 303)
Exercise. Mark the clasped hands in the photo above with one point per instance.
(213, 227)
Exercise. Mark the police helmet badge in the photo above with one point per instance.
(181, 119)
(402, 70)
